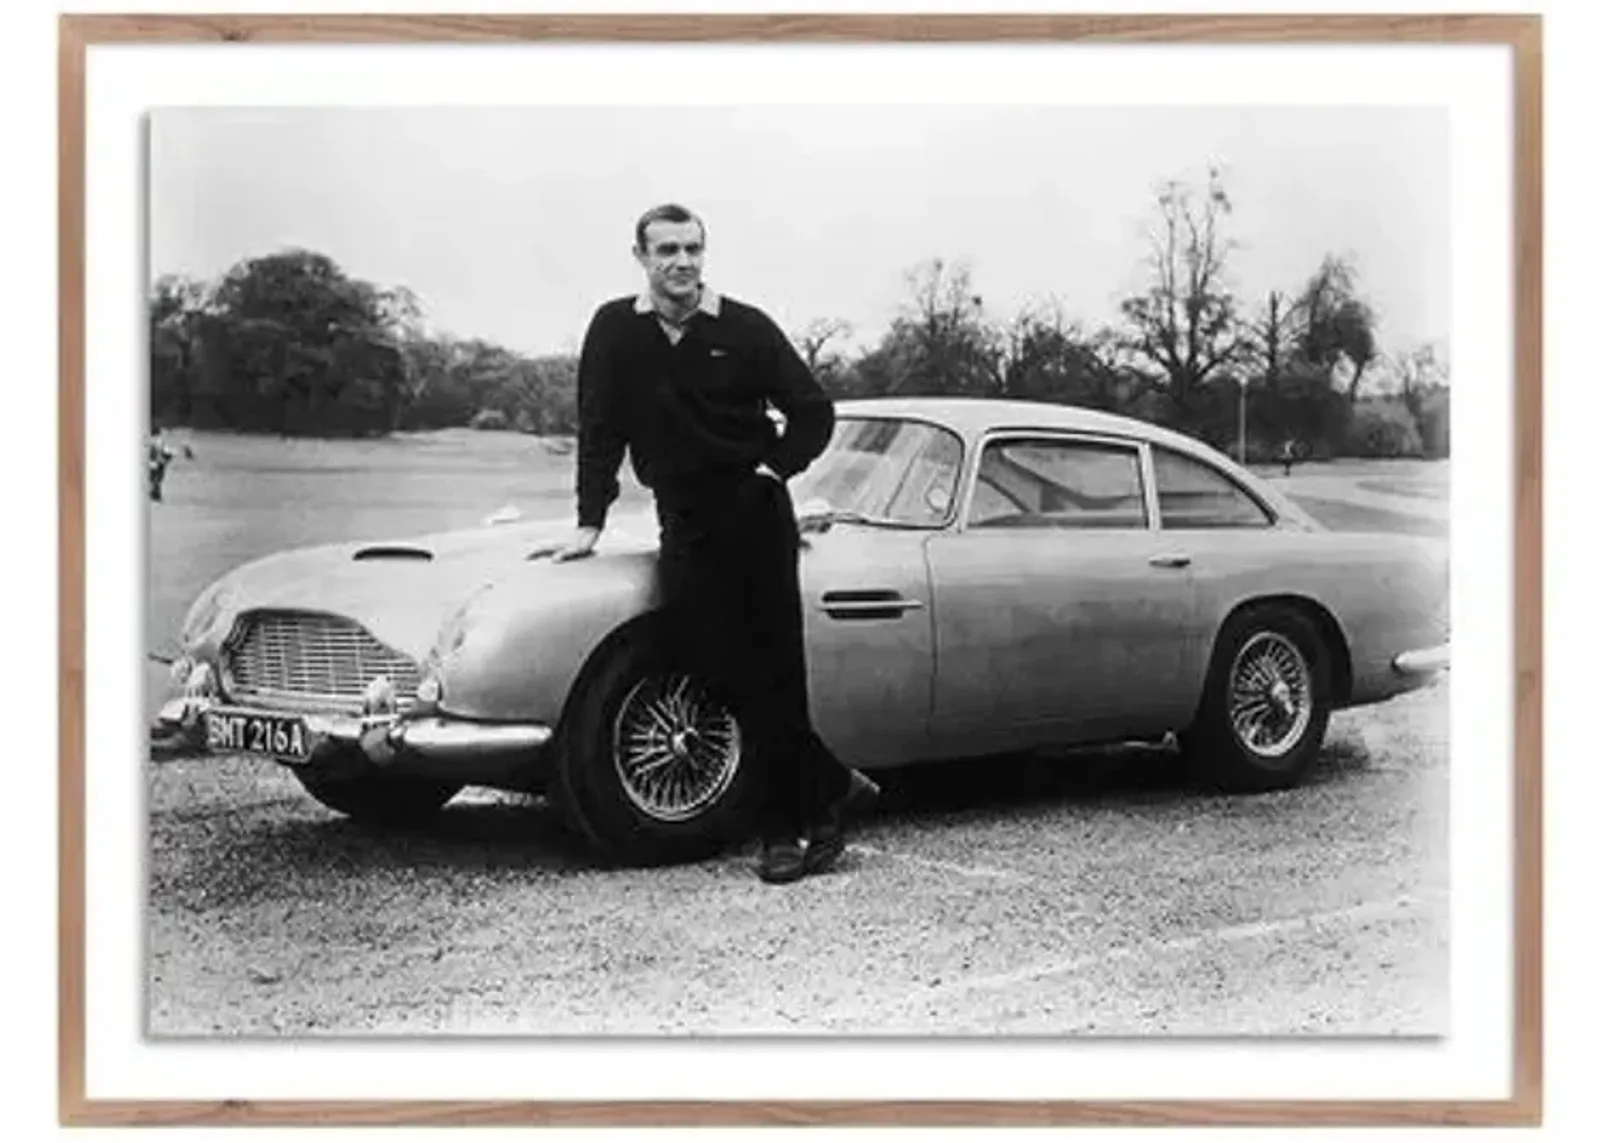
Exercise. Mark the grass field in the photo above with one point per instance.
(243, 497)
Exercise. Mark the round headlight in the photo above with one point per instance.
(430, 690)
(203, 614)
(453, 635)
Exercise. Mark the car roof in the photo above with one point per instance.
(973, 416)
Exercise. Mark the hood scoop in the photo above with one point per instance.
(394, 552)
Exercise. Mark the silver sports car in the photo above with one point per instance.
(979, 577)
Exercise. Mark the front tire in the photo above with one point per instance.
(651, 768)
(1267, 699)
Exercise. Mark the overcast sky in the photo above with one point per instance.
(513, 224)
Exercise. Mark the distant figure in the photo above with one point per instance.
(1286, 453)
(159, 457)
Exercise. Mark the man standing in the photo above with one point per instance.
(681, 378)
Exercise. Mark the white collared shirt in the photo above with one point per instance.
(710, 304)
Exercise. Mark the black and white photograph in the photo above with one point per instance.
(870, 570)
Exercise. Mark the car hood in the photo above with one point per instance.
(404, 590)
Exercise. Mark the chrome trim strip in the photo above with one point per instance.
(997, 435)
(1424, 660)
(450, 738)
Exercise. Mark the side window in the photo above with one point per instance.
(1058, 484)
(1195, 495)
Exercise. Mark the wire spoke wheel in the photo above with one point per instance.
(1270, 695)
(676, 750)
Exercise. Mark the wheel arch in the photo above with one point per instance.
(650, 625)
(1332, 634)
(591, 797)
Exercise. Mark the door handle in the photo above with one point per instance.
(872, 609)
(1170, 560)
(868, 604)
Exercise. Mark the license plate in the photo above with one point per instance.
(276, 736)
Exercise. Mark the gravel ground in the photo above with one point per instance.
(1087, 893)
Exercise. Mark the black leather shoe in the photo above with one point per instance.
(826, 841)
(781, 861)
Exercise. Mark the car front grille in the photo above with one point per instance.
(309, 660)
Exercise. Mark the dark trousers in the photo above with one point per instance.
(730, 575)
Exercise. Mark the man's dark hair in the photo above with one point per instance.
(666, 212)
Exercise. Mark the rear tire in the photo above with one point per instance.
(1267, 699)
(368, 795)
(650, 768)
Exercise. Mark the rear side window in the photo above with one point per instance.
(1058, 484)
(1194, 495)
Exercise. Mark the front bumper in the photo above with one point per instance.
(434, 744)
(1423, 660)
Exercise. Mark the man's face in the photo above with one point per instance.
(673, 256)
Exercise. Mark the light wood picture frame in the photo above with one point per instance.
(1521, 34)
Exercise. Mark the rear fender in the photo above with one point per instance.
(1380, 595)
(1333, 636)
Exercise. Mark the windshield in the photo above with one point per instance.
(894, 471)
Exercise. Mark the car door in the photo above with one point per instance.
(1060, 612)
(869, 637)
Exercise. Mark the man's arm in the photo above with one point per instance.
(600, 440)
(600, 446)
(805, 405)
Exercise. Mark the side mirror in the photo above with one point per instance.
(815, 515)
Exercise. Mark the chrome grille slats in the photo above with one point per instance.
(311, 660)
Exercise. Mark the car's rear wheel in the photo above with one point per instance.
(651, 767)
(360, 791)
(1266, 704)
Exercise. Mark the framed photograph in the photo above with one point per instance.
(845, 570)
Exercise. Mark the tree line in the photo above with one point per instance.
(290, 343)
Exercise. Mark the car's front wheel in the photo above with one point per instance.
(1266, 704)
(651, 767)
(368, 795)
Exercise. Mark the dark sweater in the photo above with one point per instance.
(692, 414)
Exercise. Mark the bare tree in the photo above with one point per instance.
(1274, 336)
(1185, 322)
(943, 334)
(1048, 356)
(813, 340)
